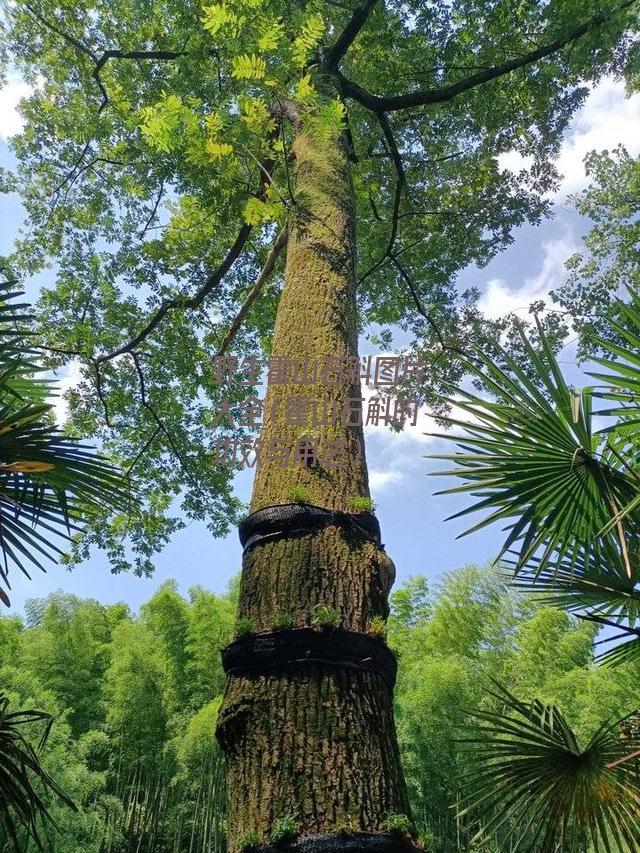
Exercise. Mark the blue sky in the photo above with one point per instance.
(412, 520)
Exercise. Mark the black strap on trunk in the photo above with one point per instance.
(360, 842)
(274, 522)
(263, 654)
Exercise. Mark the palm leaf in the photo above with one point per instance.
(569, 498)
(534, 789)
(622, 382)
(48, 481)
(530, 458)
(594, 585)
(23, 780)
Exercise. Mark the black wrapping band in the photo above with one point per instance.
(360, 842)
(274, 522)
(263, 654)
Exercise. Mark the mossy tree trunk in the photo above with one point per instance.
(318, 744)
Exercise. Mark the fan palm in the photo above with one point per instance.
(532, 785)
(23, 780)
(46, 478)
(568, 495)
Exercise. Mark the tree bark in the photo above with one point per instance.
(315, 744)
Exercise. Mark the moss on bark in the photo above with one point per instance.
(316, 745)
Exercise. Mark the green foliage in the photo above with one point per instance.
(346, 827)
(281, 621)
(119, 738)
(243, 626)
(299, 495)
(110, 749)
(607, 265)
(285, 829)
(166, 616)
(377, 628)
(362, 504)
(22, 805)
(526, 766)
(475, 628)
(536, 435)
(325, 617)
(411, 603)
(427, 840)
(399, 823)
(46, 478)
(248, 840)
(210, 626)
(570, 494)
(197, 747)
(67, 653)
(138, 174)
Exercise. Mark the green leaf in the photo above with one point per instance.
(534, 789)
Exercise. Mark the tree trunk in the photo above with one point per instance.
(313, 743)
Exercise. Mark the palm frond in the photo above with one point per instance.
(595, 585)
(534, 789)
(569, 497)
(23, 780)
(47, 480)
(622, 383)
(531, 459)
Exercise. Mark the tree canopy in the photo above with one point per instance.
(155, 166)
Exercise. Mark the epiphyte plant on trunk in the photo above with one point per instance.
(170, 153)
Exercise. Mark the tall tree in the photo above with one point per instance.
(265, 126)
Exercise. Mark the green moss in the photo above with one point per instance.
(281, 621)
(363, 504)
(243, 626)
(299, 495)
(325, 617)
(285, 829)
(377, 628)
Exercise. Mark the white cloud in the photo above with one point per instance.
(71, 379)
(607, 119)
(401, 445)
(514, 161)
(500, 298)
(380, 480)
(11, 94)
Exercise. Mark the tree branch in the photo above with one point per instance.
(184, 301)
(212, 281)
(82, 48)
(400, 185)
(424, 313)
(379, 103)
(265, 272)
(161, 427)
(418, 302)
(100, 60)
(152, 215)
(164, 55)
(349, 34)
